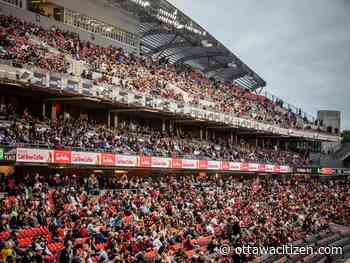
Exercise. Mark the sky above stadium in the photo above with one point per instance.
(300, 48)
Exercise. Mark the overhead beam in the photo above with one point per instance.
(158, 31)
(201, 55)
(213, 68)
(169, 45)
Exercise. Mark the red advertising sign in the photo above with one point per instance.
(276, 169)
(108, 159)
(225, 166)
(126, 160)
(145, 161)
(62, 157)
(161, 162)
(262, 167)
(176, 163)
(327, 171)
(85, 158)
(203, 164)
(33, 155)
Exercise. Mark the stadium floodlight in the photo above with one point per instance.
(232, 65)
(206, 43)
(142, 3)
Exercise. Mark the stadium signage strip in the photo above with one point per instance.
(27, 155)
(115, 93)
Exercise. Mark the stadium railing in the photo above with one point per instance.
(117, 94)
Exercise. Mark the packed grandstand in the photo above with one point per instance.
(119, 147)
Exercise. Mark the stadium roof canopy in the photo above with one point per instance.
(168, 33)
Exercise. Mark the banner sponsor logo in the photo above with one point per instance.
(276, 168)
(85, 158)
(108, 159)
(10, 154)
(38, 78)
(234, 166)
(269, 168)
(262, 167)
(213, 165)
(244, 166)
(126, 160)
(62, 157)
(284, 169)
(202, 164)
(225, 166)
(189, 164)
(72, 86)
(253, 167)
(55, 81)
(327, 171)
(160, 162)
(176, 163)
(87, 87)
(33, 155)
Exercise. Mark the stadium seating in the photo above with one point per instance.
(135, 139)
(20, 45)
(167, 214)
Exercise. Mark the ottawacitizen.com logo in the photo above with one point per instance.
(226, 250)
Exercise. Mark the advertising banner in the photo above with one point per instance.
(33, 155)
(90, 158)
(126, 160)
(62, 157)
(158, 162)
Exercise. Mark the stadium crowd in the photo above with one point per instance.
(161, 218)
(133, 138)
(27, 44)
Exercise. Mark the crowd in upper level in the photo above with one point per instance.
(55, 218)
(133, 138)
(27, 44)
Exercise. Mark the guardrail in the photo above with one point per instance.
(117, 94)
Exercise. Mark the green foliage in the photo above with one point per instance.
(345, 136)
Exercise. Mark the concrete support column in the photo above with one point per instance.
(206, 134)
(116, 121)
(201, 133)
(109, 119)
(44, 110)
(171, 126)
(53, 112)
(163, 125)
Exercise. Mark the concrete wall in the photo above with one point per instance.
(330, 118)
(46, 22)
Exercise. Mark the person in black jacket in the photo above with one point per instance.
(66, 253)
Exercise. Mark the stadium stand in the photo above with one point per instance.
(131, 138)
(114, 66)
(114, 150)
(164, 217)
